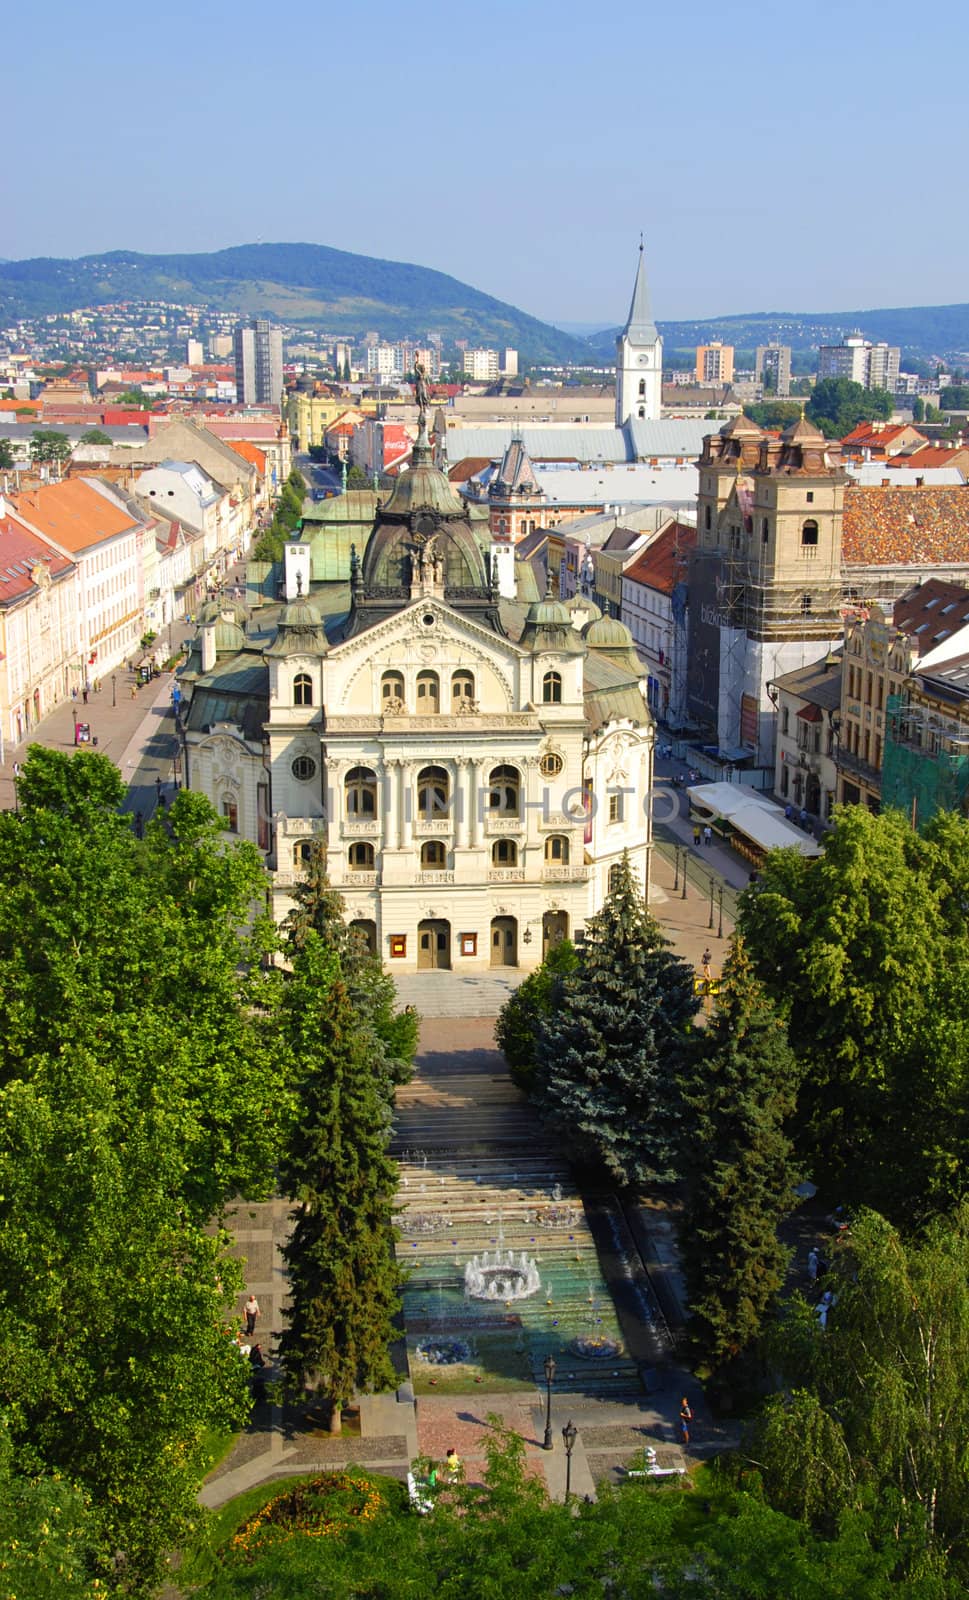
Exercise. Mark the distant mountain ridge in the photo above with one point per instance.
(921, 330)
(315, 284)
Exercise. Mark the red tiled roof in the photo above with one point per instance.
(876, 432)
(906, 526)
(249, 452)
(21, 553)
(660, 566)
(931, 455)
(73, 514)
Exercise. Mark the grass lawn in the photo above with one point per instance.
(202, 1560)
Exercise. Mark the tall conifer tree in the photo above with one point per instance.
(609, 1057)
(343, 1273)
(738, 1091)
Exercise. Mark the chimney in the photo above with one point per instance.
(207, 632)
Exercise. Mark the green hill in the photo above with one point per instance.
(298, 283)
(919, 330)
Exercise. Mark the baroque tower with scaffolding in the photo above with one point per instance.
(765, 578)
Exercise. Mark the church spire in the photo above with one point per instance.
(640, 327)
(639, 358)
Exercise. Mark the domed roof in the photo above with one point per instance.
(607, 633)
(424, 488)
(423, 532)
(548, 613)
(229, 637)
(299, 631)
(299, 613)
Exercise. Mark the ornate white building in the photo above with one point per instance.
(476, 768)
(639, 358)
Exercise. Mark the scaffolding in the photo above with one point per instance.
(925, 768)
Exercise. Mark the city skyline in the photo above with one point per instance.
(397, 142)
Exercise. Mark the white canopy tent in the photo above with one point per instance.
(749, 813)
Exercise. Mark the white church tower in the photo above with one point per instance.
(639, 358)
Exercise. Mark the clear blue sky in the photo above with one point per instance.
(777, 157)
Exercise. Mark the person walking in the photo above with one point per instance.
(708, 836)
(812, 1265)
(696, 835)
(251, 1310)
(452, 1465)
(686, 1419)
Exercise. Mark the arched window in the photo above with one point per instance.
(302, 689)
(615, 878)
(707, 518)
(433, 855)
(392, 691)
(764, 530)
(642, 413)
(433, 793)
(557, 850)
(230, 816)
(504, 795)
(809, 532)
(504, 853)
(462, 688)
(428, 694)
(360, 792)
(552, 689)
(642, 388)
(361, 856)
(302, 853)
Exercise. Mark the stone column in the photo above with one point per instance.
(474, 798)
(463, 801)
(391, 804)
(408, 804)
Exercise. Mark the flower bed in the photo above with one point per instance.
(316, 1507)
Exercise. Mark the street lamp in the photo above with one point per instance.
(114, 689)
(549, 1375)
(569, 1434)
(720, 906)
(676, 868)
(713, 885)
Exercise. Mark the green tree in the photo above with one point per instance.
(609, 1055)
(773, 414)
(838, 404)
(738, 1092)
(320, 911)
(357, 478)
(954, 397)
(528, 1008)
(918, 409)
(135, 400)
(46, 445)
(864, 951)
(6, 455)
(139, 1091)
(884, 1414)
(95, 436)
(47, 1537)
(343, 1274)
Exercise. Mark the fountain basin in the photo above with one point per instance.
(501, 1275)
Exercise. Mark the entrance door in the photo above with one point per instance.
(812, 798)
(504, 942)
(555, 927)
(433, 945)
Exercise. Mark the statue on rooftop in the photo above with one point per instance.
(421, 391)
